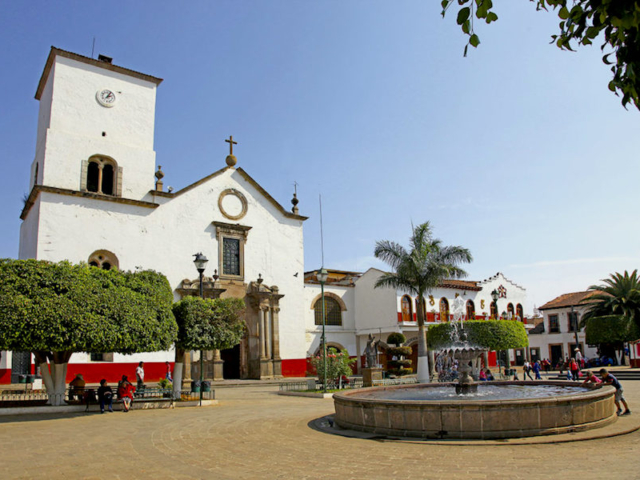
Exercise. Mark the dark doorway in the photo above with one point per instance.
(520, 357)
(556, 355)
(535, 354)
(20, 365)
(231, 365)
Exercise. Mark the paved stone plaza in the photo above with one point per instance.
(254, 433)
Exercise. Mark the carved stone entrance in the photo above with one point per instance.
(262, 317)
(258, 354)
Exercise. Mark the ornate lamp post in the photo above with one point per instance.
(201, 263)
(322, 275)
(495, 295)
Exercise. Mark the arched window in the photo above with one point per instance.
(444, 310)
(510, 311)
(103, 259)
(471, 310)
(520, 312)
(494, 311)
(407, 311)
(332, 312)
(102, 175)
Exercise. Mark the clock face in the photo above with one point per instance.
(106, 97)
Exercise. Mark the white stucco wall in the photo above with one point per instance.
(71, 123)
(343, 335)
(165, 239)
(375, 307)
(566, 338)
(29, 233)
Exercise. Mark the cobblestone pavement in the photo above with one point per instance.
(254, 433)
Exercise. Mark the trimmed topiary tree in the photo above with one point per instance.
(396, 338)
(56, 309)
(206, 324)
(492, 334)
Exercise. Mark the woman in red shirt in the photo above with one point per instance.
(125, 392)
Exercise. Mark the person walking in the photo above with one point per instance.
(168, 374)
(609, 379)
(140, 376)
(536, 369)
(575, 369)
(526, 369)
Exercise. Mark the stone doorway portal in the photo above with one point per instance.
(231, 365)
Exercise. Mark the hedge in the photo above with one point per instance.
(492, 334)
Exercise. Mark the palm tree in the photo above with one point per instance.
(418, 271)
(620, 295)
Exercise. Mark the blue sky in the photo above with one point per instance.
(518, 152)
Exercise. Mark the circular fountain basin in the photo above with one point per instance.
(498, 410)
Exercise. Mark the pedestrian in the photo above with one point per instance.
(575, 369)
(490, 376)
(125, 392)
(76, 387)
(482, 376)
(168, 374)
(536, 369)
(140, 375)
(526, 369)
(609, 379)
(105, 396)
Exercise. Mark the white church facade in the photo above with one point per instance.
(96, 196)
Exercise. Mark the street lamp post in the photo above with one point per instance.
(495, 295)
(322, 275)
(201, 263)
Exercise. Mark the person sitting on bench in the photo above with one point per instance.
(105, 396)
(76, 388)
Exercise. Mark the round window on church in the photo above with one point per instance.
(232, 204)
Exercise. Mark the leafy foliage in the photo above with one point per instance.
(492, 334)
(399, 351)
(206, 324)
(61, 307)
(338, 364)
(396, 338)
(420, 269)
(619, 295)
(611, 329)
(581, 22)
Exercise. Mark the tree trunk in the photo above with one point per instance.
(423, 358)
(177, 374)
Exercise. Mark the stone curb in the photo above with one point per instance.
(623, 426)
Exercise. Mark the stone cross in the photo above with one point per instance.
(231, 144)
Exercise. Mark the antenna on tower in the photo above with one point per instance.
(93, 47)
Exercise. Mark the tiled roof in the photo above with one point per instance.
(567, 300)
(336, 277)
(461, 285)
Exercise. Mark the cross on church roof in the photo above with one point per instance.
(231, 144)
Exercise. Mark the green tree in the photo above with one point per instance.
(618, 295)
(581, 22)
(56, 309)
(418, 271)
(206, 324)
